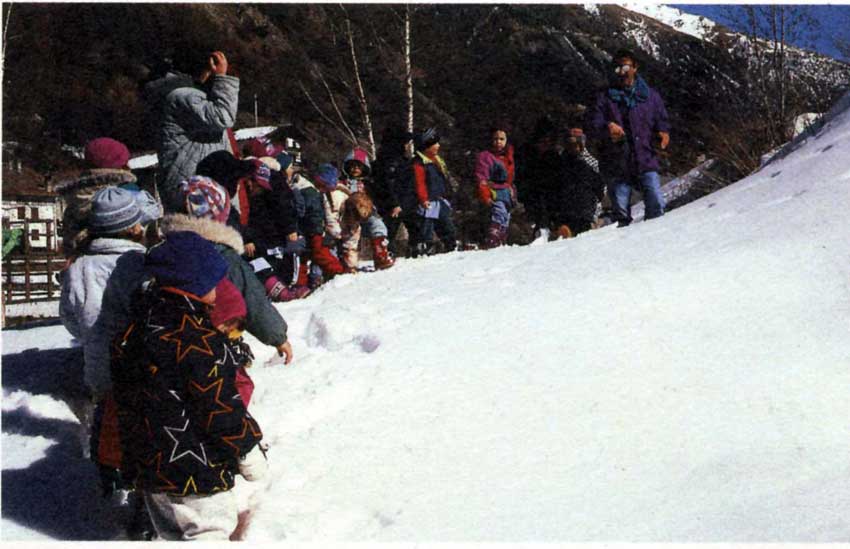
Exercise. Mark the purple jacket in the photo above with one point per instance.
(634, 155)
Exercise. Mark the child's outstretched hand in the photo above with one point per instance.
(285, 350)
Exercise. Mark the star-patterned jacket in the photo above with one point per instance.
(183, 424)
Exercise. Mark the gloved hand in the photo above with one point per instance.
(254, 465)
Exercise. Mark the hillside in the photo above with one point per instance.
(680, 380)
(72, 71)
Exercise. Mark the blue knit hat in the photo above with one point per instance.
(328, 175)
(187, 262)
(113, 210)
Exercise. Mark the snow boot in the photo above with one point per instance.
(503, 236)
(494, 236)
(380, 253)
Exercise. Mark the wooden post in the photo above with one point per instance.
(27, 292)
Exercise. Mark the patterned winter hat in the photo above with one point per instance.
(261, 174)
(151, 209)
(186, 261)
(327, 175)
(113, 210)
(105, 152)
(229, 303)
(203, 197)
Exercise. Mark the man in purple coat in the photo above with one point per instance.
(627, 119)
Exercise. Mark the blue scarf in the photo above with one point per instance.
(630, 97)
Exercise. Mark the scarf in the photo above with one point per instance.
(630, 97)
(426, 159)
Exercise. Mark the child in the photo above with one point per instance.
(185, 432)
(355, 212)
(229, 317)
(357, 170)
(494, 172)
(316, 217)
(431, 183)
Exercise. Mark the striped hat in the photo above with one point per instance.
(203, 197)
(113, 210)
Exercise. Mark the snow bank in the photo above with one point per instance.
(682, 379)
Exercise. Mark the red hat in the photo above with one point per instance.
(229, 303)
(263, 146)
(104, 152)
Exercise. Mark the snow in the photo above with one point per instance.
(682, 379)
(693, 25)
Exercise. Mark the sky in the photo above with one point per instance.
(832, 23)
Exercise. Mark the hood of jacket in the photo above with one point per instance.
(215, 232)
(157, 90)
(105, 245)
(360, 155)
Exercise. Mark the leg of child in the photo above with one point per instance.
(203, 518)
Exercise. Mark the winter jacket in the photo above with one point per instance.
(633, 155)
(310, 207)
(273, 215)
(263, 321)
(392, 184)
(537, 182)
(77, 194)
(574, 203)
(193, 124)
(95, 301)
(492, 186)
(430, 177)
(183, 424)
(337, 232)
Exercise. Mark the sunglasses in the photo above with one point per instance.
(623, 69)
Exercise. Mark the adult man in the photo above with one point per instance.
(195, 112)
(627, 118)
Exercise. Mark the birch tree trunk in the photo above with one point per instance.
(408, 75)
(361, 92)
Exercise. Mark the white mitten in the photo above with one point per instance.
(254, 465)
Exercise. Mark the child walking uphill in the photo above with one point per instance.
(431, 183)
(494, 172)
(185, 432)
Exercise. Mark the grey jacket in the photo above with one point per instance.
(95, 301)
(193, 124)
(263, 320)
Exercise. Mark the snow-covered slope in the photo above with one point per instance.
(693, 25)
(682, 379)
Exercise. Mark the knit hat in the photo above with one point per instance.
(104, 152)
(327, 175)
(229, 303)
(263, 146)
(187, 262)
(285, 160)
(151, 209)
(261, 175)
(360, 156)
(113, 210)
(426, 138)
(203, 197)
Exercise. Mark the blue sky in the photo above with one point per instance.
(832, 22)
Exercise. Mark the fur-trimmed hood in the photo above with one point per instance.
(213, 231)
(101, 177)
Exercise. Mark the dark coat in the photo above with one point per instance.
(273, 215)
(633, 156)
(537, 182)
(183, 424)
(311, 212)
(574, 203)
(392, 180)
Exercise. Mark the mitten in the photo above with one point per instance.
(253, 466)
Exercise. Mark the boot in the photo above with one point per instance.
(380, 254)
(503, 236)
(494, 236)
(277, 290)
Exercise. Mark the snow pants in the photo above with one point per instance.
(193, 518)
(374, 227)
(442, 225)
(621, 193)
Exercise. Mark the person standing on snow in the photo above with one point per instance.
(431, 185)
(627, 118)
(196, 111)
(494, 173)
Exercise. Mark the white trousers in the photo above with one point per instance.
(190, 518)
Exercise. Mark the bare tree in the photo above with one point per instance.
(408, 69)
(5, 35)
(361, 93)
